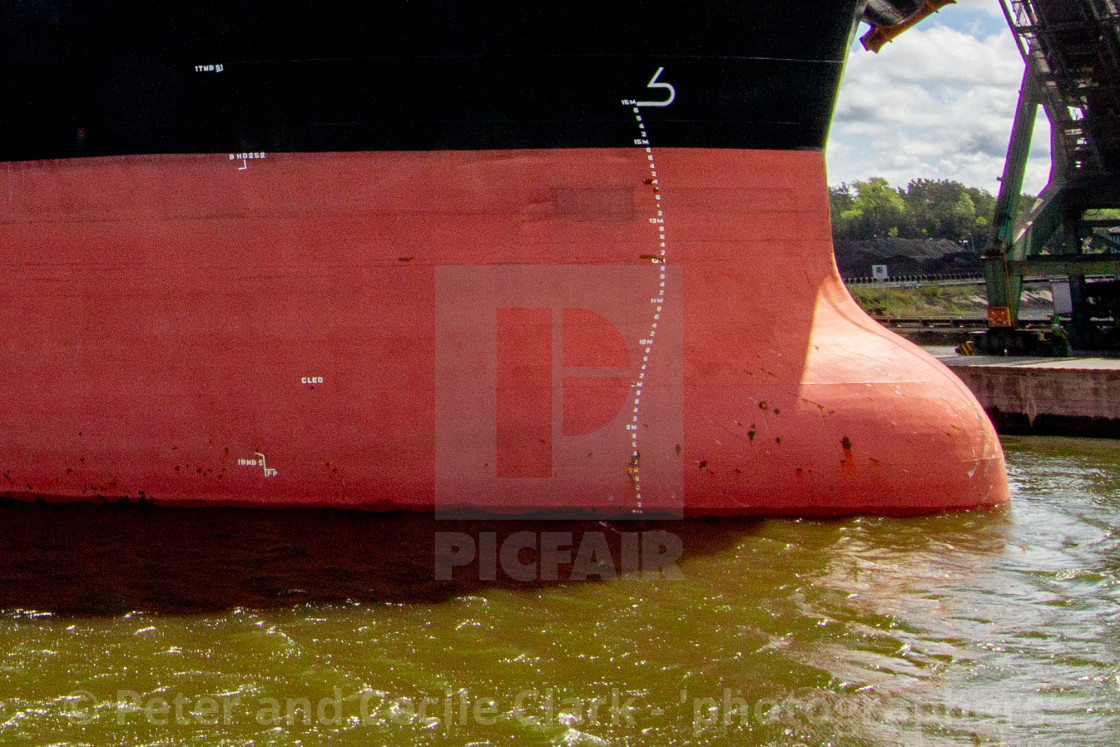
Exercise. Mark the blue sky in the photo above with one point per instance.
(936, 103)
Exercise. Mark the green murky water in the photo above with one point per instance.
(978, 628)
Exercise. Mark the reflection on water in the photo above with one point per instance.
(134, 627)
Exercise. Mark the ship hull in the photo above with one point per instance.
(592, 331)
(559, 259)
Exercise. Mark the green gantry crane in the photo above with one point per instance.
(1072, 54)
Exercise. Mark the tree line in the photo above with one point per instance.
(925, 209)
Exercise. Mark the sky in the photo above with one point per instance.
(936, 103)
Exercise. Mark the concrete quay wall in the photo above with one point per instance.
(1053, 396)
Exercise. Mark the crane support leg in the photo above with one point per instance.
(1005, 287)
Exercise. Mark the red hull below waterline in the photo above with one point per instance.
(606, 330)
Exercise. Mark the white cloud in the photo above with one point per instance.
(936, 103)
(990, 7)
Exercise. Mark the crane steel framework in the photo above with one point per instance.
(1072, 53)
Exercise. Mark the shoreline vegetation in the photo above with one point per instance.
(929, 227)
(932, 300)
(924, 209)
